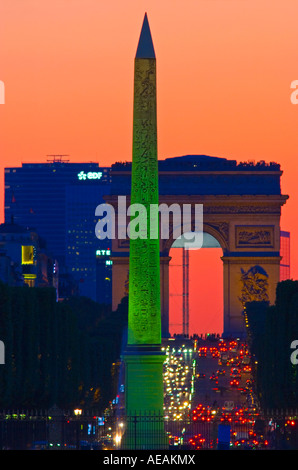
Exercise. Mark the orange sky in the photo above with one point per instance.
(205, 291)
(224, 73)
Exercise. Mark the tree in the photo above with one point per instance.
(271, 331)
(57, 352)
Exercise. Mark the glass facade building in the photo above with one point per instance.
(81, 243)
(58, 199)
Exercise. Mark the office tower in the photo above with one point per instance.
(58, 199)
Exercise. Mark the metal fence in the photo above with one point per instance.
(48, 429)
(56, 429)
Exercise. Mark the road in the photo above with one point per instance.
(217, 392)
(190, 393)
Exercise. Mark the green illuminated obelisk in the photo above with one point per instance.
(143, 358)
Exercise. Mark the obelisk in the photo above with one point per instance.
(143, 358)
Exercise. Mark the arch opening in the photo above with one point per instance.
(203, 297)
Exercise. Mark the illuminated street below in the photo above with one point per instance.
(207, 383)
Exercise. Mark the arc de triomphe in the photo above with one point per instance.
(241, 210)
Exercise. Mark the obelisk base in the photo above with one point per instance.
(144, 392)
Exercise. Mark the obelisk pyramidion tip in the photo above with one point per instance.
(145, 48)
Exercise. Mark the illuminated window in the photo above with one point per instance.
(27, 254)
(29, 279)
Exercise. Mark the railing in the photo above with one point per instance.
(56, 429)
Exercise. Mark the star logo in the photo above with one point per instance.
(82, 175)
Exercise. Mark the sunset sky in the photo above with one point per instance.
(224, 74)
